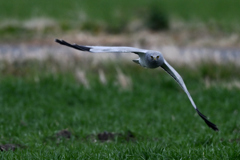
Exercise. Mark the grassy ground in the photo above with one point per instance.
(150, 119)
(65, 10)
(115, 16)
(52, 111)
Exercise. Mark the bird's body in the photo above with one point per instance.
(148, 59)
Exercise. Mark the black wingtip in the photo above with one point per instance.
(57, 40)
(210, 124)
(60, 41)
(82, 48)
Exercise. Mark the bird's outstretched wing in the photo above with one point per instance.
(103, 49)
(170, 70)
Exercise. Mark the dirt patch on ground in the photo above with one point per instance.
(10, 147)
(128, 136)
(64, 134)
(108, 136)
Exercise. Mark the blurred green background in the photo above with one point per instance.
(115, 16)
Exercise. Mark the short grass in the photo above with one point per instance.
(217, 14)
(64, 10)
(37, 101)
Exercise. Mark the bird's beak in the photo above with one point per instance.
(155, 58)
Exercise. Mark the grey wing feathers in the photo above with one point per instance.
(170, 70)
(102, 49)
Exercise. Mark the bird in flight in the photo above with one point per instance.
(148, 59)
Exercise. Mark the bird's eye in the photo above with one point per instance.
(152, 57)
(157, 57)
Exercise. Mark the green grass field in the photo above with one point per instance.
(64, 10)
(152, 119)
(47, 113)
(116, 15)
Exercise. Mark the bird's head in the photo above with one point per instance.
(155, 57)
